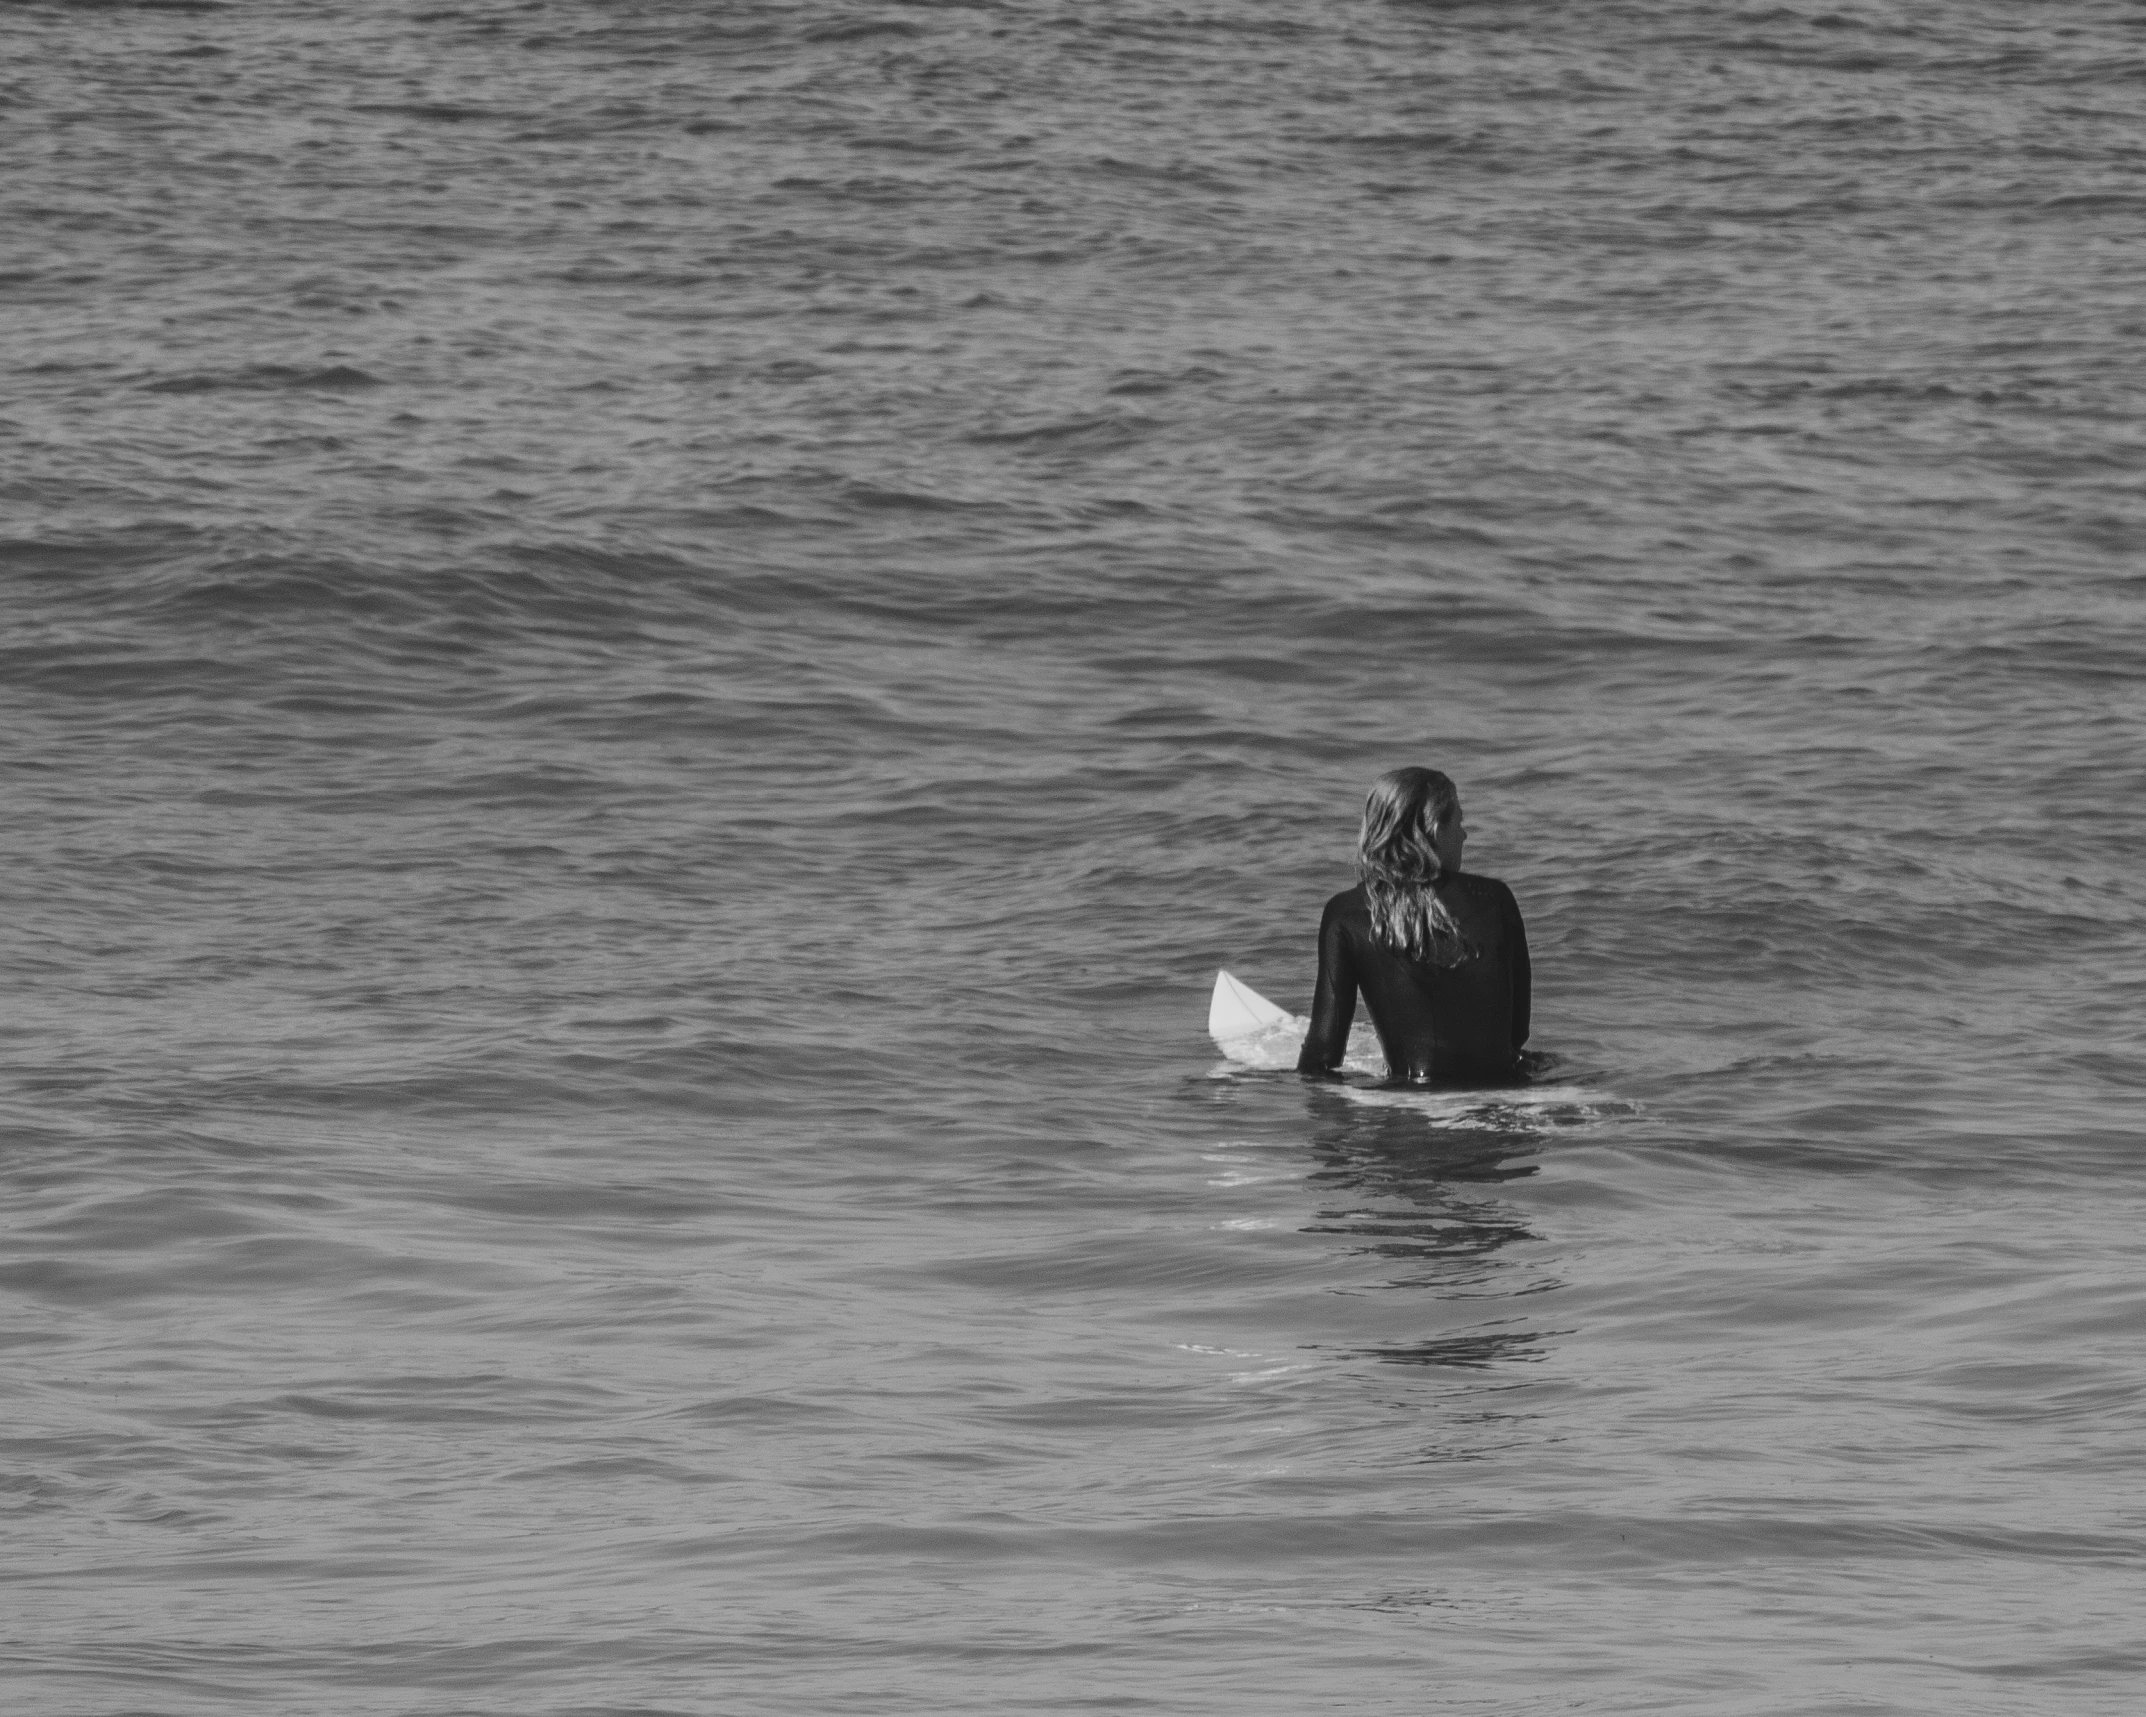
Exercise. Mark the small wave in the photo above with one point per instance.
(1089, 431)
(1512, 1109)
(877, 498)
(2127, 202)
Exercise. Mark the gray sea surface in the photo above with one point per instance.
(649, 653)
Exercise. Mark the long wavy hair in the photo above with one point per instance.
(1398, 863)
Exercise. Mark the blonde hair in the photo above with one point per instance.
(1398, 861)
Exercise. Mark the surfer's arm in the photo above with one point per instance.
(1333, 1004)
(1523, 976)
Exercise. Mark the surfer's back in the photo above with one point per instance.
(1458, 1017)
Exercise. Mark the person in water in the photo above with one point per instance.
(1441, 956)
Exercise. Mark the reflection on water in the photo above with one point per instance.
(1410, 1192)
(1472, 1352)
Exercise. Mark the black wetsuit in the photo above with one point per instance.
(1439, 1025)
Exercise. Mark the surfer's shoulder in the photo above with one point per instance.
(1499, 898)
(1347, 916)
(1487, 890)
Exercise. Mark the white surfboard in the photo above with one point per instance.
(1238, 1010)
(1253, 1032)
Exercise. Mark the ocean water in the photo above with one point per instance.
(649, 653)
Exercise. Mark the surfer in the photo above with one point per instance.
(1441, 956)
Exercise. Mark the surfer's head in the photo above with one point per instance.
(1412, 835)
(1412, 826)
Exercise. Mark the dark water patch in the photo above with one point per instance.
(944, 141)
(1440, 143)
(863, 30)
(264, 378)
(192, 7)
(1466, 1352)
(1176, 174)
(66, 559)
(133, 678)
(437, 112)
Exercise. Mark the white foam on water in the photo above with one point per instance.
(1520, 1105)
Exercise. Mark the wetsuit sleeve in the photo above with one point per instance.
(1523, 975)
(1333, 1004)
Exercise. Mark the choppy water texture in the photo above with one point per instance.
(652, 650)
